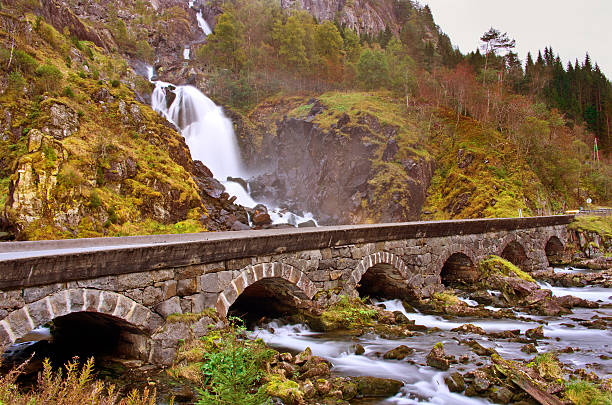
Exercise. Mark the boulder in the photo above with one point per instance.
(535, 333)
(455, 382)
(399, 353)
(437, 358)
(377, 387)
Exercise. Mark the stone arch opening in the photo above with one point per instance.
(554, 250)
(79, 322)
(266, 290)
(268, 298)
(515, 254)
(383, 281)
(380, 275)
(458, 271)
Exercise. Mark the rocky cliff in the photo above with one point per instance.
(363, 16)
(80, 156)
(345, 157)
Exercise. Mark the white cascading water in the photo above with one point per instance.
(187, 53)
(203, 24)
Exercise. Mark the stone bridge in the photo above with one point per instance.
(124, 289)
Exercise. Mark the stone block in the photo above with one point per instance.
(91, 300)
(134, 280)
(238, 264)
(32, 294)
(215, 282)
(152, 296)
(107, 303)
(39, 313)
(135, 294)
(108, 283)
(192, 271)
(201, 327)
(168, 288)
(356, 253)
(11, 299)
(335, 275)
(326, 254)
(310, 255)
(162, 275)
(320, 275)
(20, 322)
(198, 302)
(77, 299)
(169, 307)
(187, 286)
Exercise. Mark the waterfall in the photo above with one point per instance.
(207, 131)
(210, 137)
(187, 53)
(203, 24)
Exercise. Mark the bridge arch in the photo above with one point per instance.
(289, 279)
(105, 312)
(554, 250)
(515, 253)
(380, 274)
(459, 268)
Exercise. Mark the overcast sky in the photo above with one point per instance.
(571, 27)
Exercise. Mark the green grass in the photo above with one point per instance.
(599, 225)
(586, 393)
(548, 366)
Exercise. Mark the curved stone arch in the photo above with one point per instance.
(303, 287)
(512, 238)
(438, 265)
(553, 249)
(19, 322)
(470, 255)
(372, 260)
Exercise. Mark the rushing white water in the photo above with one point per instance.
(186, 53)
(203, 24)
(468, 301)
(587, 293)
(210, 137)
(207, 131)
(423, 385)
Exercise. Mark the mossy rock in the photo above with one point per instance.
(497, 265)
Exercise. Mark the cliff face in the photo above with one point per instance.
(360, 15)
(338, 157)
(80, 156)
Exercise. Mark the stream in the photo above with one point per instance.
(424, 384)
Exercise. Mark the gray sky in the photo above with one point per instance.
(571, 27)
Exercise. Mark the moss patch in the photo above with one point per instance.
(497, 265)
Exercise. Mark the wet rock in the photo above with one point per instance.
(309, 390)
(535, 333)
(501, 395)
(289, 368)
(455, 382)
(479, 349)
(400, 318)
(323, 386)
(529, 348)
(377, 387)
(303, 357)
(308, 224)
(315, 370)
(506, 334)
(399, 353)
(437, 358)
(537, 296)
(469, 328)
(569, 301)
(550, 308)
(359, 350)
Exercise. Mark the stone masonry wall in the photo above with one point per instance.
(146, 299)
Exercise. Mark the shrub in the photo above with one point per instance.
(232, 370)
(69, 385)
(25, 62)
(115, 83)
(68, 92)
(16, 82)
(50, 77)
